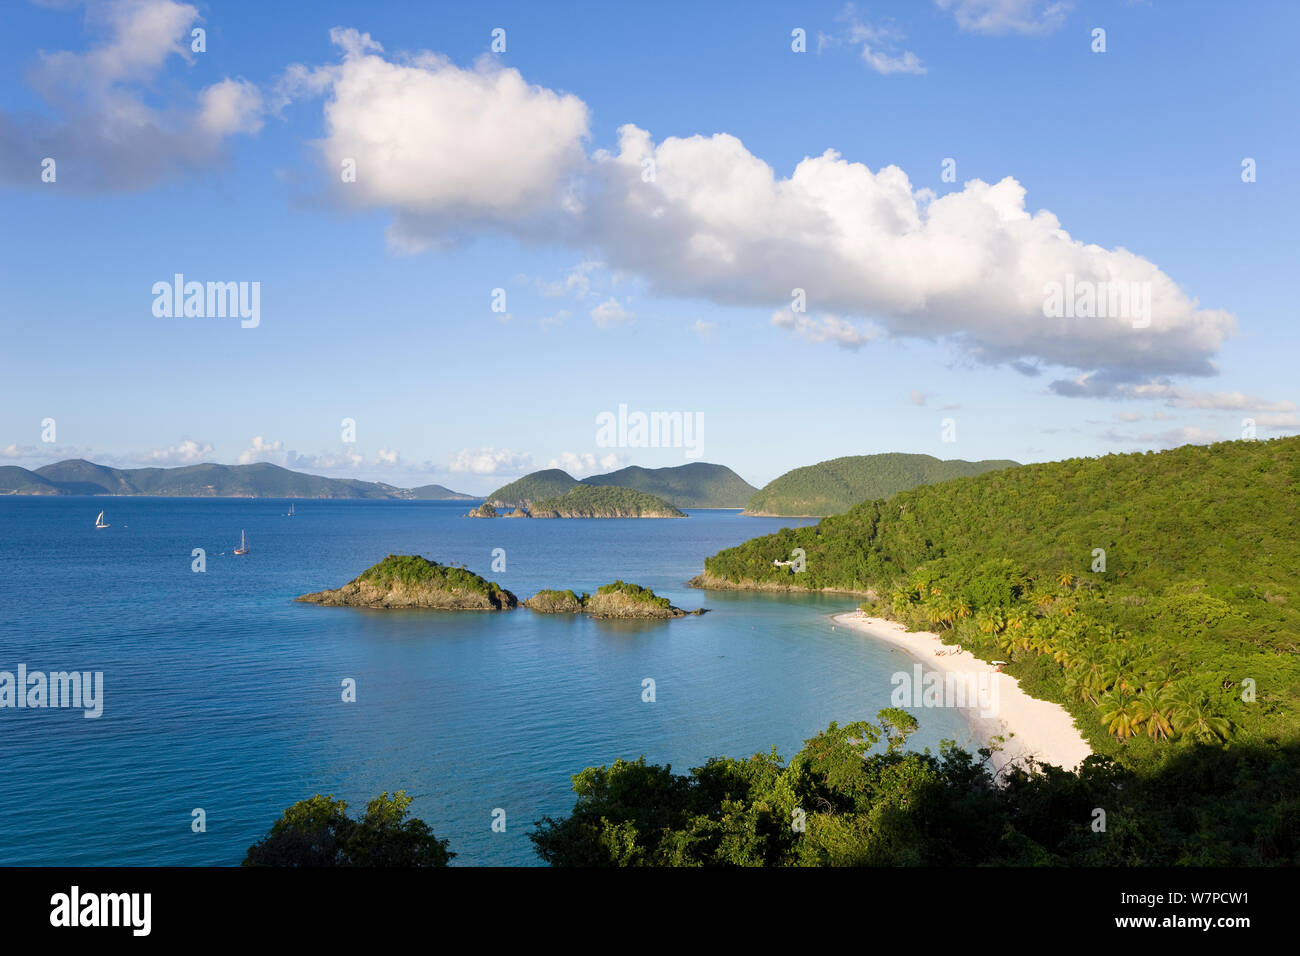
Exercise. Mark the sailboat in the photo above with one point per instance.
(243, 544)
(99, 522)
(290, 514)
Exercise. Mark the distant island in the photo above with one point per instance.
(586, 501)
(261, 480)
(833, 487)
(414, 582)
(693, 485)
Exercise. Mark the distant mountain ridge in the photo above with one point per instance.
(261, 480)
(696, 484)
(834, 486)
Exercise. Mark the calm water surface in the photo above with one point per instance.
(222, 693)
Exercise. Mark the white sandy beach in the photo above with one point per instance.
(1041, 729)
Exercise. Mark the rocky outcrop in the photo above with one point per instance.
(556, 602)
(618, 605)
(484, 510)
(617, 600)
(409, 581)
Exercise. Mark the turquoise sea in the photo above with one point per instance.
(221, 693)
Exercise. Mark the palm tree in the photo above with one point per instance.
(1065, 579)
(900, 598)
(1122, 669)
(991, 620)
(1123, 720)
(1193, 715)
(1042, 598)
(1155, 708)
(1064, 652)
(935, 612)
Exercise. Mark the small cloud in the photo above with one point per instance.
(996, 17)
(704, 329)
(490, 461)
(879, 44)
(610, 312)
(830, 328)
(884, 64)
(185, 452)
(275, 453)
(1187, 435)
(1278, 420)
(920, 398)
(577, 283)
(262, 450)
(581, 464)
(551, 321)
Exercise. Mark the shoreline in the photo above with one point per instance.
(1042, 730)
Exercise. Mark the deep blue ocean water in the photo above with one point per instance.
(223, 694)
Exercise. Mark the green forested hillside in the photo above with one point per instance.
(1154, 595)
(694, 485)
(260, 480)
(20, 481)
(540, 484)
(588, 501)
(832, 487)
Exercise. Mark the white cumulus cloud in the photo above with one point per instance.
(451, 150)
(490, 461)
(438, 144)
(110, 122)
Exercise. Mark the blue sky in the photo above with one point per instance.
(668, 295)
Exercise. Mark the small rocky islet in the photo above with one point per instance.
(412, 581)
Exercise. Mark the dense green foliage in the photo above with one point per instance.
(412, 569)
(261, 480)
(1189, 633)
(591, 501)
(550, 483)
(843, 801)
(694, 485)
(319, 832)
(635, 592)
(832, 487)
